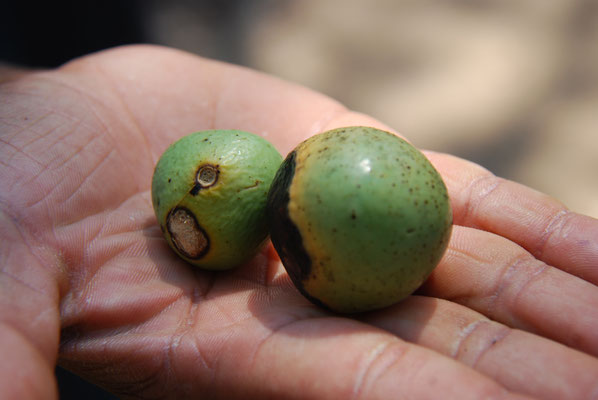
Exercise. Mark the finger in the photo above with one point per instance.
(378, 366)
(498, 278)
(535, 221)
(509, 356)
(322, 358)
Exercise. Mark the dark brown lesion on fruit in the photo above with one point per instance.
(285, 235)
(205, 177)
(187, 236)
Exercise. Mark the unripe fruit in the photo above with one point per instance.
(359, 217)
(209, 192)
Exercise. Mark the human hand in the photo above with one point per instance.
(87, 279)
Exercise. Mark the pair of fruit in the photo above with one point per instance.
(359, 217)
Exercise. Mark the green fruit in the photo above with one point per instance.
(209, 192)
(359, 217)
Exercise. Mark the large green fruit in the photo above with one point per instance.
(209, 192)
(359, 217)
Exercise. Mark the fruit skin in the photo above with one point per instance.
(219, 220)
(359, 217)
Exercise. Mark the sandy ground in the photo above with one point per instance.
(510, 85)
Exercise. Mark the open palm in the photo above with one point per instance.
(88, 280)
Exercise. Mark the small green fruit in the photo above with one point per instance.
(359, 217)
(209, 192)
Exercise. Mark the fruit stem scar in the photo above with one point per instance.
(187, 236)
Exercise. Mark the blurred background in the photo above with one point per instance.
(511, 85)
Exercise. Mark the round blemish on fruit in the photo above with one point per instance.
(207, 175)
(352, 204)
(209, 192)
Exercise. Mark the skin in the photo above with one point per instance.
(88, 281)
